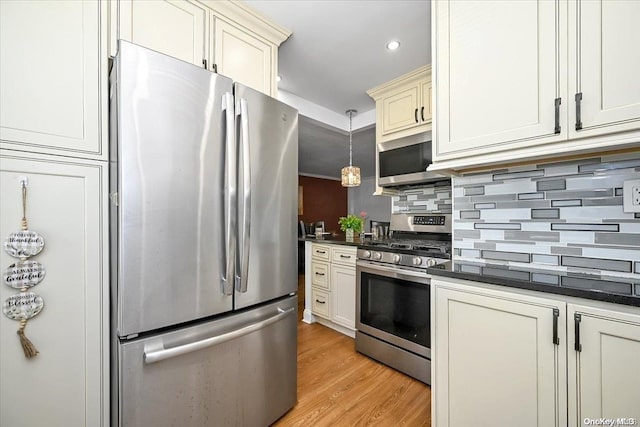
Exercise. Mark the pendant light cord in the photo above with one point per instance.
(350, 137)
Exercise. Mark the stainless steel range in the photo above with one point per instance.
(393, 292)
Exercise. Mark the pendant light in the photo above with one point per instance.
(351, 174)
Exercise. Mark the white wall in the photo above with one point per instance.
(360, 199)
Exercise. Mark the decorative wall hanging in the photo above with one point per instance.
(23, 275)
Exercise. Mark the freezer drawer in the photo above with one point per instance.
(237, 371)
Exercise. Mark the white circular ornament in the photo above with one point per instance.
(23, 306)
(24, 274)
(23, 244)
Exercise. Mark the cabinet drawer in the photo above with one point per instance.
(320, 252)
(320, 274)
(343, 255)
(320, 302)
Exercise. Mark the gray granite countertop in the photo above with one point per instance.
(596, 287)
(337, 239)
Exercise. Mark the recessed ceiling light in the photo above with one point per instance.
(393, 45)
(278, 78)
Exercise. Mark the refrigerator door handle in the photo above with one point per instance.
(245, 159)
(230, 192)
(162, 354)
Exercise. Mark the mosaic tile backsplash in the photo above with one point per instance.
(430, 199)
(565, 216)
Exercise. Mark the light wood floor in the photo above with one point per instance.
(339, 387)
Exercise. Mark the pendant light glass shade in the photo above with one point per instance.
(351, 174)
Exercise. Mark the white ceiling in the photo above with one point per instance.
(335, 54)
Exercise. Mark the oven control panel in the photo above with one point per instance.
(429, 220)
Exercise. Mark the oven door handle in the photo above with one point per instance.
(394, 272)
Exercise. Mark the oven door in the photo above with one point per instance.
(393, 305)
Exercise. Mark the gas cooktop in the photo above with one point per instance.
(415, 246)
(419, 241)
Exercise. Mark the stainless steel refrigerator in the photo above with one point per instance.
(203, 237)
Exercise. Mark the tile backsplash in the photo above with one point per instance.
(564, 216)
(432, 199)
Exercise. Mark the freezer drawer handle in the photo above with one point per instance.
(157, 356)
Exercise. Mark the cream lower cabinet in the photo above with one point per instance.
(496, 363)
(604, 377)
(333, 286)
(53, 77)
(67, 383)
(496, 360)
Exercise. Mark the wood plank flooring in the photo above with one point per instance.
(339, 387)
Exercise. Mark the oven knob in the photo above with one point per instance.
(377, 256)
(366, 254)
(396, 258)
(431, 262)
(417, 260)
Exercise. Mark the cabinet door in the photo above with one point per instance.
(53, 77)
(495, 360)
(498, 73)
(425, 109)
(604, 379)
(400, 110)
(604, 66)
(67, 384)
(343, 295)
(175, 28)
(244, 57)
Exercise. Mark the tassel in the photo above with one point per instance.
(28, 348)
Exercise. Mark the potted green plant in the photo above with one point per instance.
(350, 224)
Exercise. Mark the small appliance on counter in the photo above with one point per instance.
(393, 292)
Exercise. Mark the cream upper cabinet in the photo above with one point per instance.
(247, 58)
(497, 75)
(526, 80)
(244, 44)
(403, 105)
(496, 359)
(604, 379)
(178, 28)
(221, 35)
(426, 109)
(67, 383)
(604, 87)
(53, 83)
